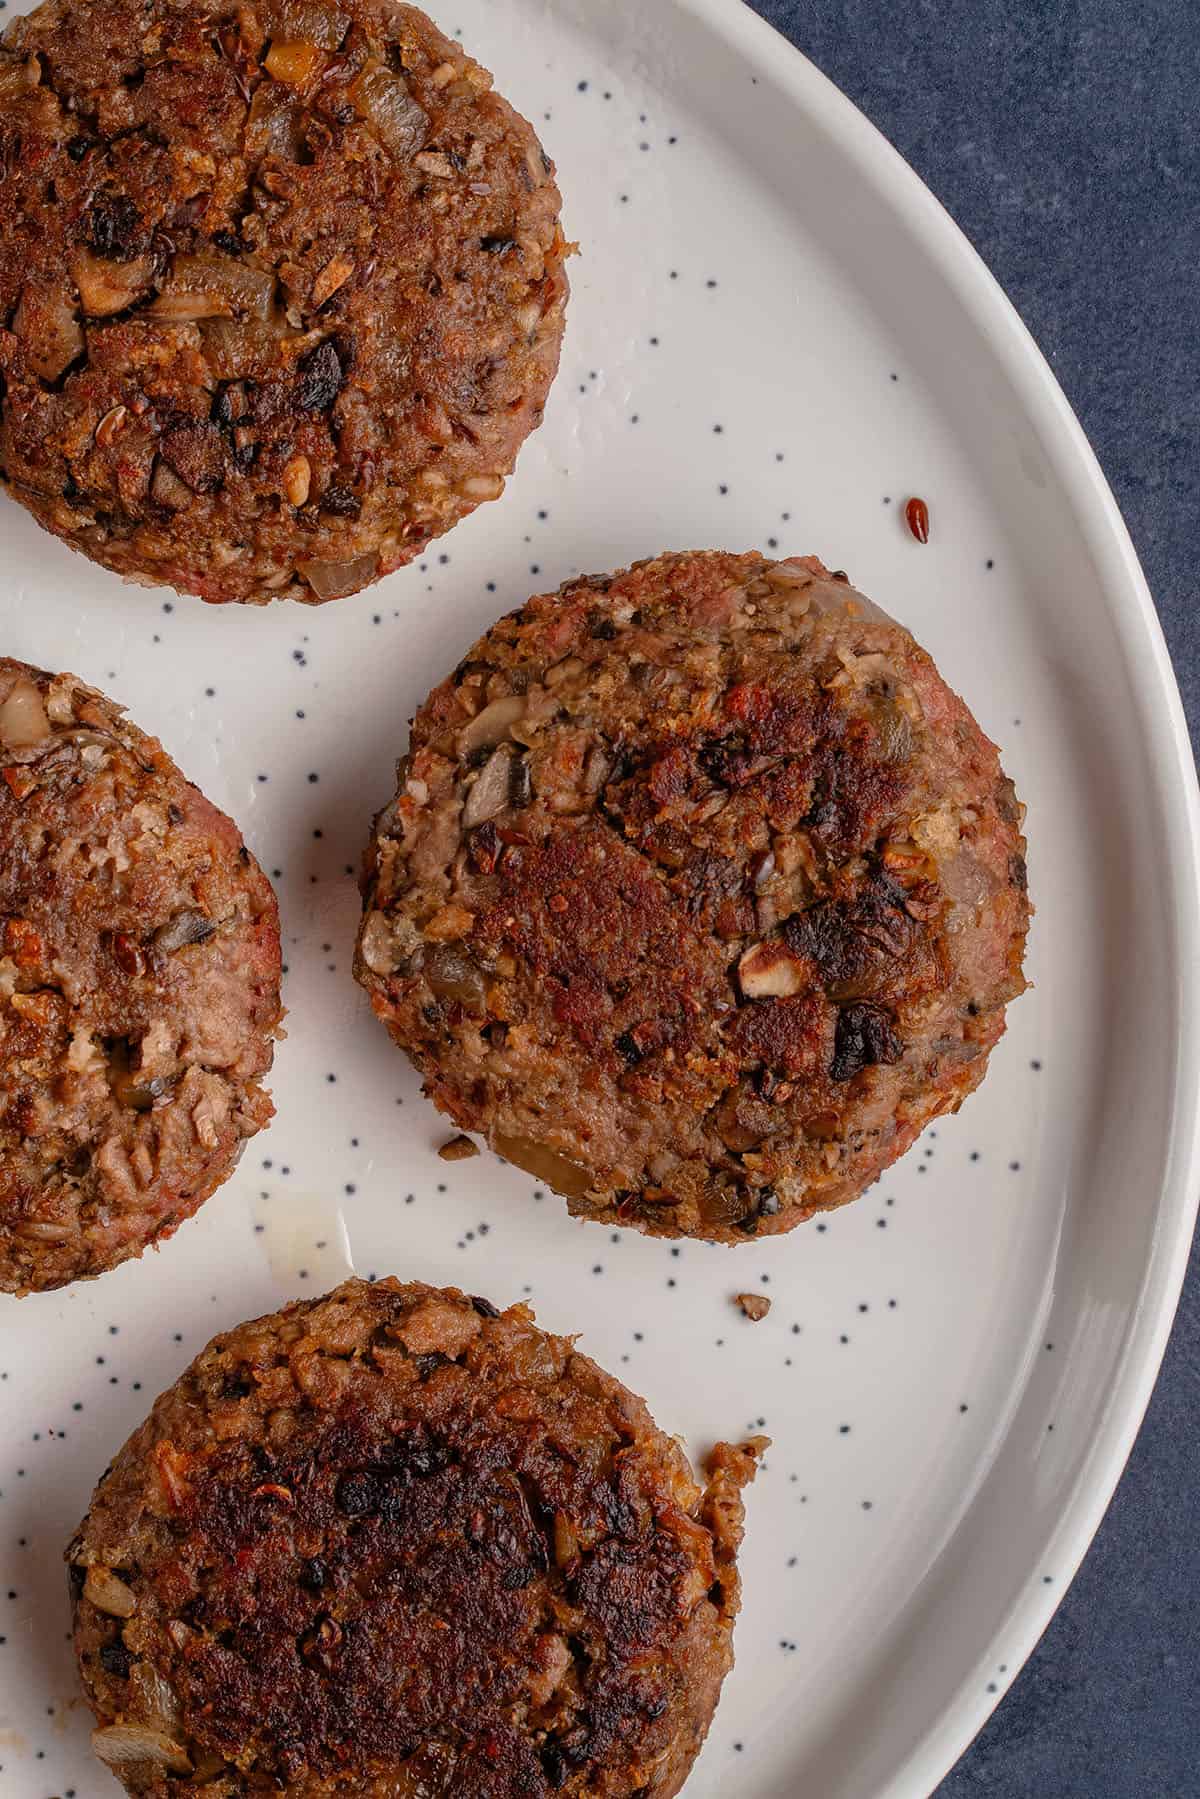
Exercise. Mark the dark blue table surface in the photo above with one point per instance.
(1064, 137)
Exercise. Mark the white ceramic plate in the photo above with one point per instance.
(776, 336)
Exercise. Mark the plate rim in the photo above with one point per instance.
(1167, 742)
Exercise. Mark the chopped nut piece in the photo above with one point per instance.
(448, 923)
(432, 162)
(482, 487)
(296, 478)
(103, 1589)
(336, 271)
(458, 1149)
(770, 970)
(754, 1305)
(387, 942)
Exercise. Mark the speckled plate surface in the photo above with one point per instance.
(776, 337)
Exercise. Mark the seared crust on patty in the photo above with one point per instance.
(394, 1542)
(139, 986)
(700, 896)
(281, 287)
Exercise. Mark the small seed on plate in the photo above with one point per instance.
(916, 514)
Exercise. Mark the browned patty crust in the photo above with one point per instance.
(395, 1542)
(139, 986)
(700, 896)
(281, 287)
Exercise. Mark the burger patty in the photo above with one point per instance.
(139, 986)
(395, 1542)
(281, 287)
(701, 894)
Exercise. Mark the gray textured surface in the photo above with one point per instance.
(1064, 137)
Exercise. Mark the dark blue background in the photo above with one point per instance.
(1064, 137)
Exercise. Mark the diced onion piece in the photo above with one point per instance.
(723, 1205)
(545, 1164)
(187, 927)
(187, 308)
(240, 347)
(43, 1230)
(23, 717)
(596, 769)
(157, 1703)
(275, 126)
(292, 62)
(825, 597)
(294, 21)
(122, 1745)
(332, 580)
(105, 286)
(789, 574)
(237, 285)
(383, 100)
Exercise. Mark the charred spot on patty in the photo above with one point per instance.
(859, 944)
(112, 226)
(320, 378)
(864, 1037)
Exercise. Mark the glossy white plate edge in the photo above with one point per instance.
(1176, 800)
